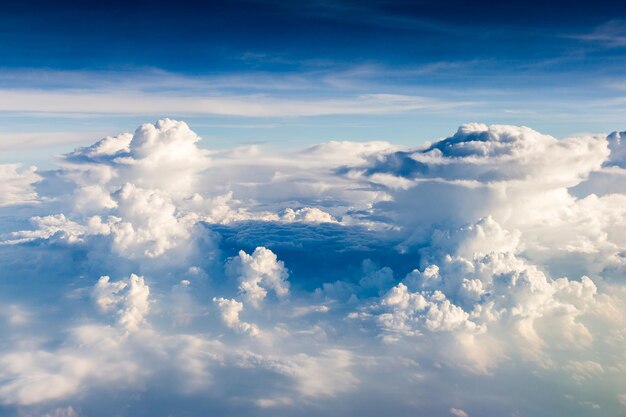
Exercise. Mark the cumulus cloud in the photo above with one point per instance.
(230, 310)
(131, 295)
(514, 175)
(250, 281)
(17, 184)
(436, 312)
(257, 273)
(307, 215)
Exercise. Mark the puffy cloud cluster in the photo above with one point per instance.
(148, 159)
(360, 273)
(148, 190)
(516, 176)
(497, 300)
(131, 294)
(307, 215)
(258, 273)
(130, 186)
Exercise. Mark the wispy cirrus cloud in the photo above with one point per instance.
(611, 34)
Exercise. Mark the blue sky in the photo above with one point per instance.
(405, 71)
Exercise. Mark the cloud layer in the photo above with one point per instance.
(481, 274)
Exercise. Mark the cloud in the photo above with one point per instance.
(131, 294)
(257, 273)
(146, 158)
(307, 215)
(17, 185)
(255, 281)
(617, 145)
(518, 177)
(147, 103)
(230, 310)
(457, 412)
(474, 297)
(611, 34)
(36, 140)
(325, 375)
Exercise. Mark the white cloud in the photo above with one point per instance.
(230, 310)
(147, 103)
(457, 412)
(39, 375)
(258, 273)
(307, 215)
(131, 296)
(310, 309)
(407, 311)
(17, 141)
(149, 224)
(17, 185)
(345, 152)
(515, 176)
(58, 225)
(327, 374)
(500, 298)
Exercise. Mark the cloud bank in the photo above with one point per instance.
(480, 274)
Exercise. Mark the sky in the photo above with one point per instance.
(372, 208)
(291, 74)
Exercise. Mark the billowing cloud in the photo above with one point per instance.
(257, 273)
(131, 294)
(230, 310)
(17, 184)
(345, 278)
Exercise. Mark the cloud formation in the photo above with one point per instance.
(17, 184)
(245, 281)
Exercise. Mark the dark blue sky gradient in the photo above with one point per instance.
(208, 37)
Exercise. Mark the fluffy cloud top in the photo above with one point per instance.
(489, 264)
(17, 184)
(258, 273)
(132, 295)
(230, 310)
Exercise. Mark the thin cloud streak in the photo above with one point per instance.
(140, 103)
(611, 34)
(14, 141)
